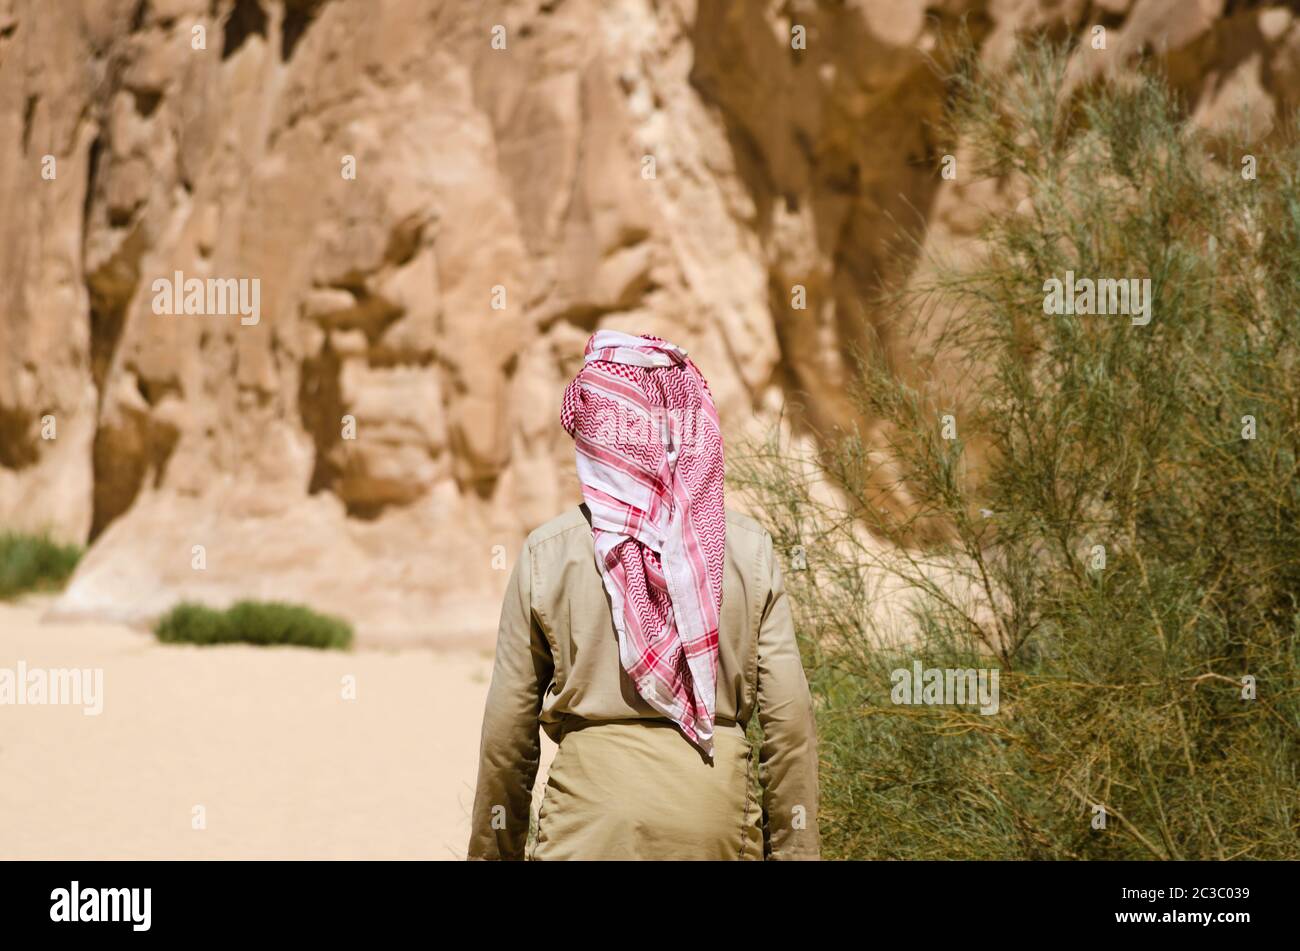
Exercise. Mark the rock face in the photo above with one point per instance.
(438, 202)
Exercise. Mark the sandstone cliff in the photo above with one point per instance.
(440, 200)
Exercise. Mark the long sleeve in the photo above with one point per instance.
(510, 747)
(788, 756)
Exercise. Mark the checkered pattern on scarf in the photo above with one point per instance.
(649, 453)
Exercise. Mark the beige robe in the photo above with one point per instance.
(625, 782)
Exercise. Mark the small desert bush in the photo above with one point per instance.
(34, 563)
(253, 622)
(1110, 517)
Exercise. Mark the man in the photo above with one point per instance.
(642, 630)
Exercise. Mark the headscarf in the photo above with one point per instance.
(649, 452)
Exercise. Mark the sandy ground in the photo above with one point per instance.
(261, 739)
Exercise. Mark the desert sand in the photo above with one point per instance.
(261, 738)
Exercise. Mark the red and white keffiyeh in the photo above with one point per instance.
(649, 453)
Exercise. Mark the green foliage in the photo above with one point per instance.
(1121, 686)
(34, 563)
(253, 622)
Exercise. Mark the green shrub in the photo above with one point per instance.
(34, 563)
(195, 624)
(253, 622)
(1121, 685)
